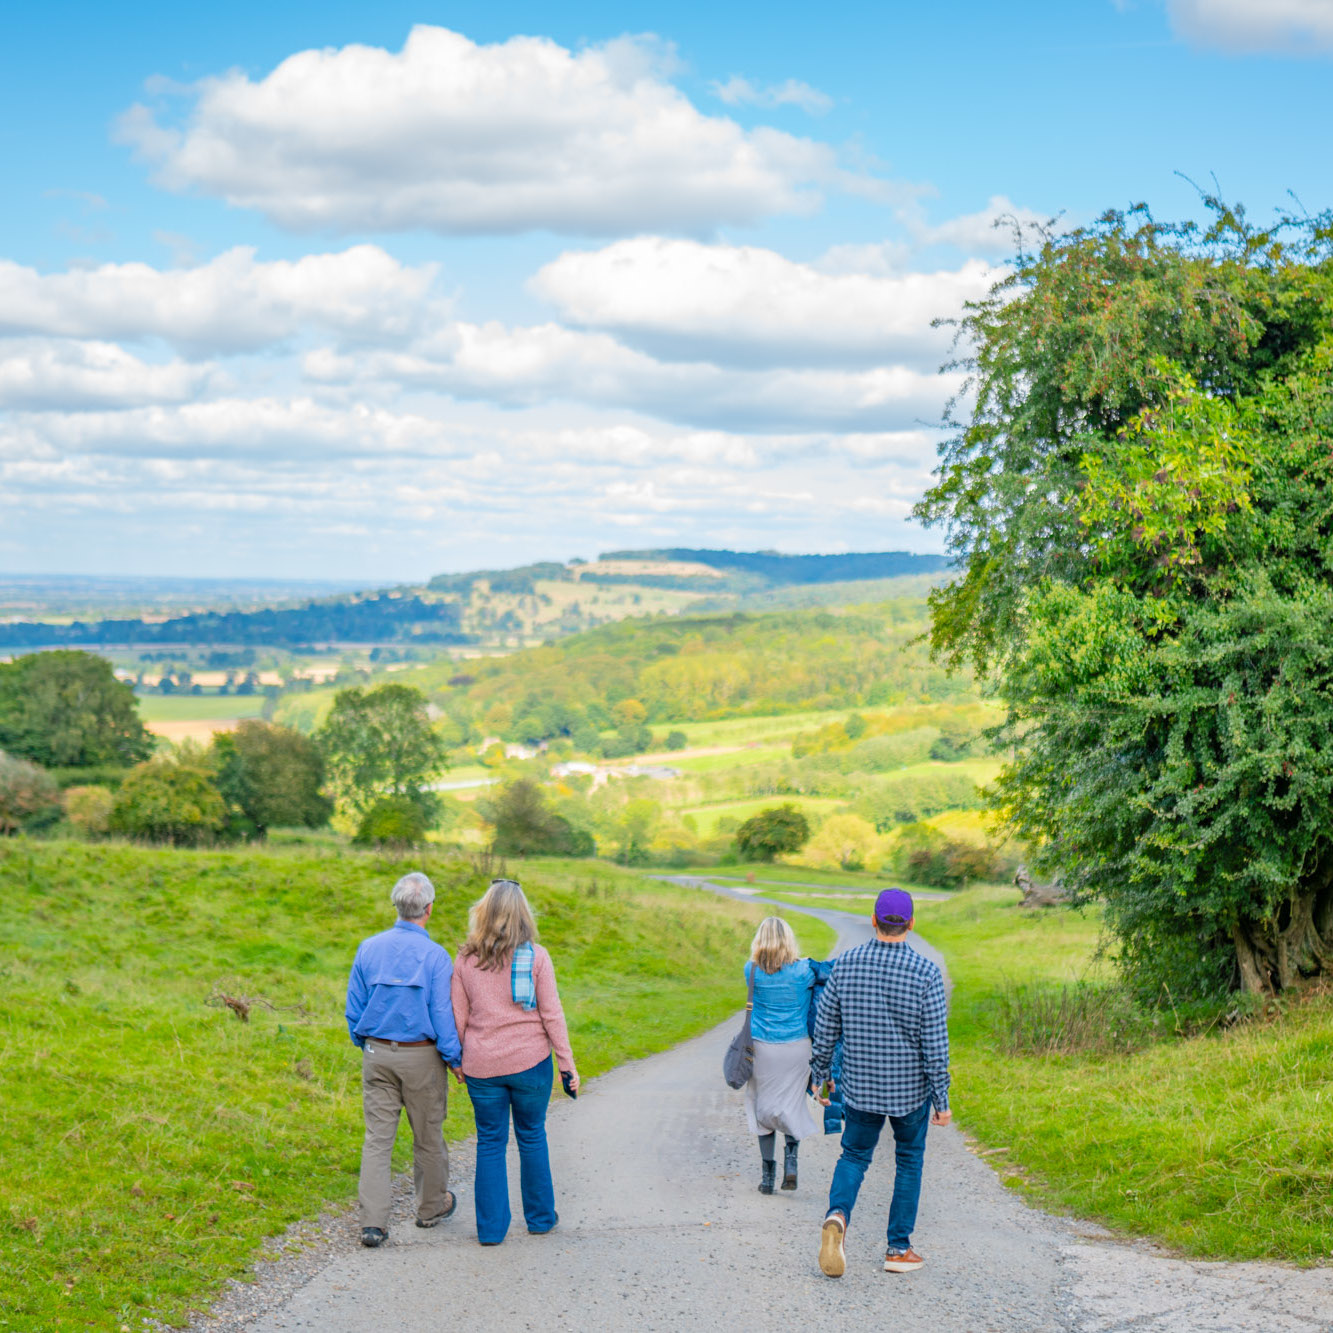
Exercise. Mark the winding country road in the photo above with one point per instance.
(662, 1228)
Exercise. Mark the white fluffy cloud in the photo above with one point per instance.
(62, 373)
(1290, 26)
(547, 363)
(738, 90)
(458, 137)
(989, 231)
(747, 306)
(232, 303)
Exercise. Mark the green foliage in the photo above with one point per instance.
(89, 809)
(675, 740)
(523, 824)
(926, 856)
(777, 831)
(27, 793)
(166, 800)
(67, 709)
(396, 822)
(377, 743)
(1141, 507)
(847, 841)
(270, 776)
(916, 795)
(683, 669)
(152, 1141)
(1217, 1144)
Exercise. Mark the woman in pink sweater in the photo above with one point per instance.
(509, 1020)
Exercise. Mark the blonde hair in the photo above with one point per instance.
(774, 945)
(497, 924)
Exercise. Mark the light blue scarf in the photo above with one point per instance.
(521, 985)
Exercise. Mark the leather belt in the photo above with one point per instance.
(394, 1045)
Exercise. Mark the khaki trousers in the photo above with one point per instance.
(412, 1079)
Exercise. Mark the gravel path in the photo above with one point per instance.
(661, 1227)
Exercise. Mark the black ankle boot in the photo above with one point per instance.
(770, 1174)
(789, 1165)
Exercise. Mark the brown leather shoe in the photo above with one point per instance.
(832, 1258)
(902, 1261)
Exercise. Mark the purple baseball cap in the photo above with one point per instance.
(894, 907)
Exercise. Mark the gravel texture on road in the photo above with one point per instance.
(662, 1228)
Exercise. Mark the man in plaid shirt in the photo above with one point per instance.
(886, 1003)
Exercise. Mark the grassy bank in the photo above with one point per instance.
(1219, 1144)
(151, 1140)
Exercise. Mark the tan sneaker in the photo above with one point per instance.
(832, 1260)
(902, 1261)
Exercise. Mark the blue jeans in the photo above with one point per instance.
(909, 1151)
(527, 1095)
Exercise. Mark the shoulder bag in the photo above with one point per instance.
(738, 1063)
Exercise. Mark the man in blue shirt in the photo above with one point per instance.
(886, 1003)
(399, 1011)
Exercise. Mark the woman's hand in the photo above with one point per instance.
(574, 1080)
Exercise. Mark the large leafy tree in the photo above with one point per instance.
(1140, 500)
(777, 831)
(66, 709)
(378, 743)
(270, 777)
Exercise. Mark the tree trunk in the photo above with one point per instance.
(1277, 954)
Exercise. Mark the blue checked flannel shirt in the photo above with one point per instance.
(885, 1002)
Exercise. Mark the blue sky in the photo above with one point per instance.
(379, 291)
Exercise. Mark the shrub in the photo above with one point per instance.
(89, 809)
(675, 740)
(393, 821)
(927, 856)
(165, 800)
(28, 794)
(525, 825)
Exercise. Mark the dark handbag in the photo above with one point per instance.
(738, 1063)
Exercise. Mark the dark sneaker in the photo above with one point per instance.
(373, 1237)
(832, 1260)
(440, 1217)
(902, 1261)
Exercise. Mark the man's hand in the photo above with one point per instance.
(941, 1118)
(457, 1072)
(824, 1093)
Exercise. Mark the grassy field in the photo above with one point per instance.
(721, 763)
(749, 730)
(198, 707)
(778, 874)
(1219, 1144)
(151, 1140)
(706, 816)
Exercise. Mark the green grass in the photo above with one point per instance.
(198, 707)
(151, 1141)
(1220, 1145)
(706, 816)
(774, 874)
(724, 763)
(744, 730)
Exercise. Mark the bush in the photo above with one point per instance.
(525, 825)
(927, 856)
(28, 794)
(394, 821)
(165, 800)
(89, 809)
(675, 740)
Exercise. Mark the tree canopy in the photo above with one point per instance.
(774, 832)
(66, 709)
(270, 777)
(1140, 503)
(379, 743)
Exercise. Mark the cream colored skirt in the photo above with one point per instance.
(775, 1097)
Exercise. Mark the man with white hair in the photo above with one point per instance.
(399, 1011)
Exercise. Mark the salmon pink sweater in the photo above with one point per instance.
(499, 1036)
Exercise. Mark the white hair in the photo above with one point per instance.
(412, 895)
